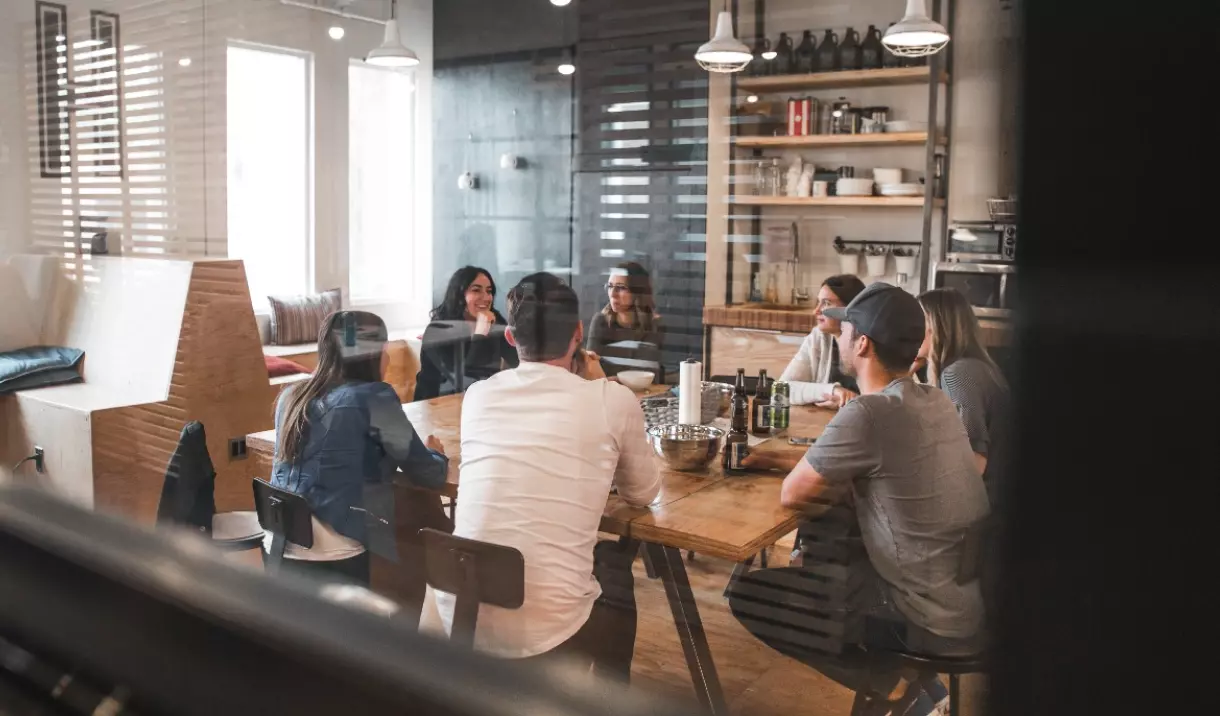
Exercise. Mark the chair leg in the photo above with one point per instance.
(763, 558)
(953, 695)
(279, 543)
(690, 556)
(740, 570)
(649, 568)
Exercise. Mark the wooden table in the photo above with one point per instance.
(732, 517)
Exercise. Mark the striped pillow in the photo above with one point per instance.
(297, 319)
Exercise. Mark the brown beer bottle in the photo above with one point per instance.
(760, 423)
(735, 444)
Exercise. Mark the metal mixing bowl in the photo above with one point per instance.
(686, 447)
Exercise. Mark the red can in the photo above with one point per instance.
(799, 119)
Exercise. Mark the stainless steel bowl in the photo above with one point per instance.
(686, 447)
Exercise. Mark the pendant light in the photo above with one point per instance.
(391, 52)
(916, 34)
(724, 53)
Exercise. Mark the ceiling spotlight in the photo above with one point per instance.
(567, 68)
(752, 98)
(184, 62)
(336, 32)
(770, 55)
(561, 3)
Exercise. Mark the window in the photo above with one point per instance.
(270, 173)
(381, 129)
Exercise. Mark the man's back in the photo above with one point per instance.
(905, 453)
(541, 448)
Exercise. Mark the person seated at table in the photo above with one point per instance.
(813, 374)
(465, 320)
(542, 445)
(627, 332)
(340, 437)
(900, 451)
(959, 365)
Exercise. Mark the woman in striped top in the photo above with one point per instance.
(960, 365)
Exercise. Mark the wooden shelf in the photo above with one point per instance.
(846, 78)
(836, 140)
(870, 201)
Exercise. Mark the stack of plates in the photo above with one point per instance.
(854, 187)
(905, 189)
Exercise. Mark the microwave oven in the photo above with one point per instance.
(982, 241)
(990, 288)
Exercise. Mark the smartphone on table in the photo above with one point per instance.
(804, 442)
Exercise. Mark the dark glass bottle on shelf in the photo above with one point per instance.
(889, 59)
(760, 66)
(785, 61)
(760, 423)
(737, 441)
(806, 54)
(828, 52)
(871, 50)
(849, 50)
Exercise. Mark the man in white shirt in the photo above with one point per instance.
(541, 448)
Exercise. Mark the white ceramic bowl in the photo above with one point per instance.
(908, 189)
(636, 379)
(887, 176)
(854, 187)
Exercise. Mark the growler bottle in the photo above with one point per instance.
(806, 54)
(828, 52)
(849, 50)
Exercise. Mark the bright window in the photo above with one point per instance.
(270, 149)
(381, 129)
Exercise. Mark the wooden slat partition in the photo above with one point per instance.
(759, 317)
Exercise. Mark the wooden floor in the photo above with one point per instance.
(756, 679)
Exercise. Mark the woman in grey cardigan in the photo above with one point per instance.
(814, 375)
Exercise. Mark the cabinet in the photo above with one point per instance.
(753, 349)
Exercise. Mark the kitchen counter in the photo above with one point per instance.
(759, 317)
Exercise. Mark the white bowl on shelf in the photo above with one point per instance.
(854, 187)
(887, 176)
(636, 379)
(907, 189)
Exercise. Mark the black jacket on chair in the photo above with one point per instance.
(187, 497)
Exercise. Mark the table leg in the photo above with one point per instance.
(738, 572)
(668, 563)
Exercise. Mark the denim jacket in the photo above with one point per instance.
(356, 440)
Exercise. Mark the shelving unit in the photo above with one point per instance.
(861, 201)
(814, 141)
(846, 78)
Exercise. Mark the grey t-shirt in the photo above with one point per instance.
(905, 454)
(980, 394)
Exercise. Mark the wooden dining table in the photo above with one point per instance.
(709, 512)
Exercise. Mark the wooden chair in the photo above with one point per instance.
(474, 573)
(929, 667)
(286, 516)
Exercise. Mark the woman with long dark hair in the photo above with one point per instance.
(814, 374)
(465, 329)
(959, 365)
(340, 438)
(627, 332)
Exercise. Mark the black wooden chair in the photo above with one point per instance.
(188, 496)
(929, 667)
(474, 573)
(286, 516)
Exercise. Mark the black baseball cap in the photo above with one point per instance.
(886, 314)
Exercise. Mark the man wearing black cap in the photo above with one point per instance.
(902, 453)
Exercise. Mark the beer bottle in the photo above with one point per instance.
(760, 423)
(735, 444)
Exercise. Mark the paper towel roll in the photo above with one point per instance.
(690, 392)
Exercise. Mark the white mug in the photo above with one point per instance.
(821, 188)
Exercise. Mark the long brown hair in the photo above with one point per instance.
(643, 307)
(955, 331)
(362, 363)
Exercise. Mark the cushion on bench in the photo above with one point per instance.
(38, 366)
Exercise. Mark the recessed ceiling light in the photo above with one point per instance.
(336, 32)
(561, 3)
(567, 68)
(752, 98)
(184, 62)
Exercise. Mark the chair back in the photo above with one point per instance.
(187, 495)
(474, 573)
(286, 516)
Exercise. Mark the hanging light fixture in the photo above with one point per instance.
(724, 53)
(391, 52)
(916, 34)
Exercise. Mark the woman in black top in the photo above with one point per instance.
(629, 316)
(464, 327)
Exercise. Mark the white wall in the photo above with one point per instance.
(196, 117)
